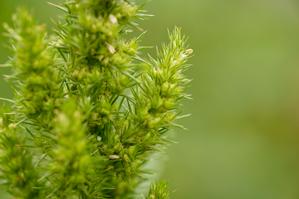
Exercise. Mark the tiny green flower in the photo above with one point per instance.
(89, 109)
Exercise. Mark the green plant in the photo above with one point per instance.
(89, 110)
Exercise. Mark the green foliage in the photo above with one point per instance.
(17, 167)
(158, 191)
(89, 110)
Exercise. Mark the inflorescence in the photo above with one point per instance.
(89, 109)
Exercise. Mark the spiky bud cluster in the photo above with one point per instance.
(35, 79)
(89, 110)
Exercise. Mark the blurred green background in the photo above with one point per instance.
(243, 137)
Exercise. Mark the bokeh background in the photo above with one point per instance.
(243, 137)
